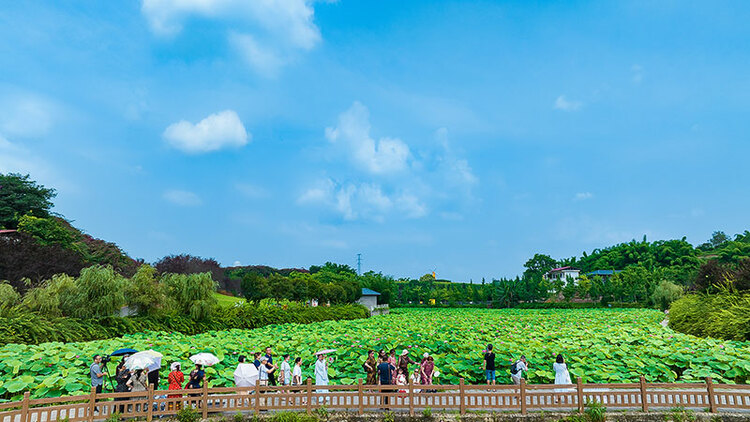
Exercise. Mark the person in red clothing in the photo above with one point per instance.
(176, 379)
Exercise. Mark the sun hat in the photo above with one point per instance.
(174, 366)
(263, 359)
(405, 352)
(426, 355)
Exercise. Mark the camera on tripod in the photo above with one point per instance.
(106, 359)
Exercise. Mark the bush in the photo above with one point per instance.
(188, 414)
(725, 315)
(9, 297)
(666, 293)
(595, 411)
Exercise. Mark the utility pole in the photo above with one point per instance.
(359, 264)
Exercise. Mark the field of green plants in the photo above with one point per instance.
(600, 345)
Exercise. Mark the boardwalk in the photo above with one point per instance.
(361, 398)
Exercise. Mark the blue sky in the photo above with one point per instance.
(461, 137)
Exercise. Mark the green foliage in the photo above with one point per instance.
(31, 328)
(389, 416)
(599, 345)
(53, 297)
(427, 413)
(188, 414)
(595, 411)
(724, 315)
(47, 231)
(144, 293)
(191, 294)
(293, 417)
(9, 297)
(98, 293)
(19, 196)
(666, 293)
(680, 414)
(114, 417)
(238, 417)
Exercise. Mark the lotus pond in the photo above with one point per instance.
(600, 345)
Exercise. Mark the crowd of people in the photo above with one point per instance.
(383, 368)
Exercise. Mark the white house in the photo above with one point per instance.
(563, 273)
(369, 300)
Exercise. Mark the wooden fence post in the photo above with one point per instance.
(523, 396)
(205, 399)
(711, 397)
(411, 397)
(644, 401)
(256, 405)
(92, 404)
(309, 396)
(25, 408)
(150, 403)
(360, 397)
(462, 396)
(579, 390)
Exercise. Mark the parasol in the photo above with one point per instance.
(205, 359)
(121, 352)
(246, 375)
(324, 352)
(139, 361)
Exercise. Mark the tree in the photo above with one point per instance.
(99, 293)
(538, 265)
(19, 195)
(666, 293)
(23, 259)
(718, 238)
(191, 294)
(143, 293)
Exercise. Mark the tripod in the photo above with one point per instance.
(109, 377)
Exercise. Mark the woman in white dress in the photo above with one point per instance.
(321, 375)
(562, 376)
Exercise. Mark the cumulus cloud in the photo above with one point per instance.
(564, 104)
(582, 196)
(182, 198)
(283, 25)
(386, 155)
(217, 131)
(362, 201)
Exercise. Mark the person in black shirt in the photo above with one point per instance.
(269, 365)
(489, 365)
(385, 369)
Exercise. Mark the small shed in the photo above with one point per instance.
(369, 299)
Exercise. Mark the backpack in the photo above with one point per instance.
(514, 368)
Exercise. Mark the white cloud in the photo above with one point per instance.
(27, 115)
(237, 264)
(251, 191)
(582, 196)
(282, 25)
(387, 155)
(364, 201)
(637, 72)
(217, 131)
(564, 104)
(182, 198)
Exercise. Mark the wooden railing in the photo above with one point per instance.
(361, 398)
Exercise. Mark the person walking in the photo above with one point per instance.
(175, 378)
(427, 369)
(385, 371)
(321, 375)
(562, 376)
(297, 372)
(139, 382)
(404, 360)
(489, 365)
(516, 370)
(286, 372)
(371, 368)
(245, 375)
(265, 371)
(271, 366)
(393, 360)
(97, 374)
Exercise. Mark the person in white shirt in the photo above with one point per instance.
(321, 374)
(286, 371)
(520, 366)
(562, 376)
(297, 372)
(264, 370)
(246, 374)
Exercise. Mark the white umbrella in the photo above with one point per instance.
(246, 375)
(139, 361)
(156, 356)
(324, 352)
(152, 353)
(205, 359)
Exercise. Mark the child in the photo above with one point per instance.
(401, 380)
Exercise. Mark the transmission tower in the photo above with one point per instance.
(359, 264)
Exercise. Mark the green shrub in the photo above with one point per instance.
(188, 414)
(292, 417)
(114, 417)
(680, 414)
(427, 413)
(666, 293)
(9, 297)
(724, 315)
(238, 417)
(595, 411)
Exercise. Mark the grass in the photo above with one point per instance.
(225, 300)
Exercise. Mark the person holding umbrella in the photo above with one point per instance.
(246, 374)
(321, 372)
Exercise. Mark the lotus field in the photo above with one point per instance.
(604, 345)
